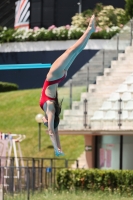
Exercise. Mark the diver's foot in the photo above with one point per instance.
(92, 23)
(59, 153)
(56, 153)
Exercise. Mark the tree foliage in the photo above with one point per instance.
(129, 8)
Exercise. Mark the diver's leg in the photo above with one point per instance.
(57, 138)
(65, 60)
(52, 136)
(60, 153)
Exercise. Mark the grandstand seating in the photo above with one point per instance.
(103, 97)
(96, 67)
(110, 117)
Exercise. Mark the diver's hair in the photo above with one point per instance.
(57, 105)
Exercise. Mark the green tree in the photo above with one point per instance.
(129, 8)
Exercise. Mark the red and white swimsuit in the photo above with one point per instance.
(44, 97)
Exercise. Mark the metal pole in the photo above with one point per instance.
(103, 59)
(41, 177)
(80, 6)
(117, 44)
(87, 88)
(77, 164)
(39, 136)
(33, 175)
(131, 36)
(1, 192)
(119, 112)
(12, 176)
(85, 113)
(70, 94)
(28, 184)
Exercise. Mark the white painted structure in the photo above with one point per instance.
(61, 45)
(10, 146)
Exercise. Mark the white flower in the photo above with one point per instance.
(42, 29)
(78, 20)
(113, 28)
(4, 28)
(108, 7)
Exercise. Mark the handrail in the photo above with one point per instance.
(41, 162)
(25, 66)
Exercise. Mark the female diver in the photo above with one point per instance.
(58, 71)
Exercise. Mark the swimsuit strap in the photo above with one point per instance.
(55, 81)
(44, 97)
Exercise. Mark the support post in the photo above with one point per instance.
(70, 94)
(39, 136)
(87, 88)
(28, 183)
(117, 44)
(119, 113)
(85, 113)
(80, 6)
(131, 36)
(33, 175)
(39, 119)
(1, 192)
(103, 59)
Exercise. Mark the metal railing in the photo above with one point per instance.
(18, 180)
(37, 162)
(36, 174)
